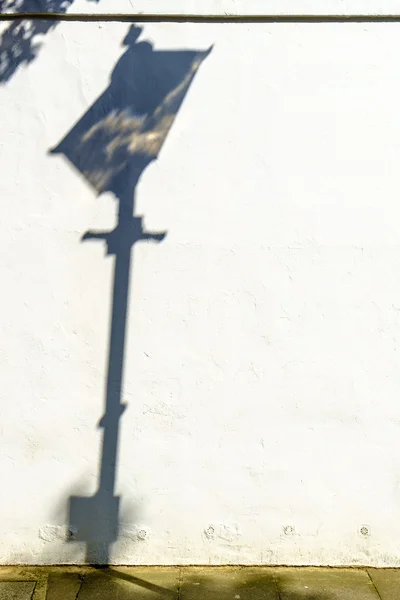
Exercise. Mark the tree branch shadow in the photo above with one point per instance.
(20, 42)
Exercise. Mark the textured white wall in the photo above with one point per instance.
(262, 371)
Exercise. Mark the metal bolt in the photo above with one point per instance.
(70, 533)
(210, 532)
(288, 530)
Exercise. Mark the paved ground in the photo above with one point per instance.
(188, 583)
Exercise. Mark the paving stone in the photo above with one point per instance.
(63, 586)
(198, 583)
(17, 590)
(126, 583)
(387, 582)
(324, 584)
(228, 583)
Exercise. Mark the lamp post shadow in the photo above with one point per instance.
(113, 143)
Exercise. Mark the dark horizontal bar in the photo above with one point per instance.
(150, 18)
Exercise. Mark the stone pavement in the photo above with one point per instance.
(198, 583)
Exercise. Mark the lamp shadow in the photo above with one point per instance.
(111, 146)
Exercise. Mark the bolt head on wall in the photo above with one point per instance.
(364, 530)
(289, 530)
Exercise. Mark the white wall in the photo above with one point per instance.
(262, 370)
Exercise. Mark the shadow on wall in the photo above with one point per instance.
(20, 42)
(111, 145)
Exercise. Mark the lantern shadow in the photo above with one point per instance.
(113, 143)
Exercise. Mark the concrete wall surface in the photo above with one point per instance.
(260, 367)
